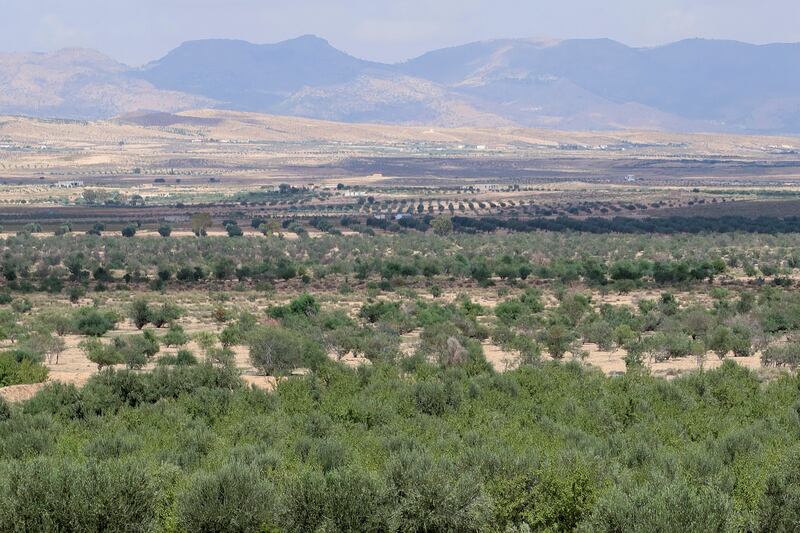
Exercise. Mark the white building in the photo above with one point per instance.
(68, 184)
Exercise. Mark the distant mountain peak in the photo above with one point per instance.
(694, 84)
(309, 38)
(75, 56)
(309, 42)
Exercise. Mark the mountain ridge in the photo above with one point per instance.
(689, 85)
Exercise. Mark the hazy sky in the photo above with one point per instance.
(137, 31)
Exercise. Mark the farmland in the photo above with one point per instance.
(218, 321)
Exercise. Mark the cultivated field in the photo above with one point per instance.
(217, 321)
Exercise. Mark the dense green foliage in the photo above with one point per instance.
(424, 439)
(553, 447)
(18, 372)
(648, 225)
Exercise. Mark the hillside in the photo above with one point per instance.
(703, 84)
(693, 85)
(214, 125)
(79, 83)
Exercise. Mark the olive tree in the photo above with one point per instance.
(101, 354)
(231, 500)
(276, 350)
(200, 223)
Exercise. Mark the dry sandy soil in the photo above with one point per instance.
(73, 366)
(613, 362)
(228, 127)
(263, 147)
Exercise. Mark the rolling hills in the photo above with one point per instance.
(692, 85)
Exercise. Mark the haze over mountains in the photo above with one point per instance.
(694, 85)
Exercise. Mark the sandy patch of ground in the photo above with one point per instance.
(613, 362)
(75, 368)
(20, 393)
(267, 383)
(500, 359)
(351, 359)
(409, 342)
(683, 365)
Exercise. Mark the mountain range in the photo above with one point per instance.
(597, 84)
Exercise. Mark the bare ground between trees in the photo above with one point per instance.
(75, 368)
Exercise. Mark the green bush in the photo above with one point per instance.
(556, 339)
(140, 313)
(601, 333)
(5, 409)
(18, 372)
(94, 322)
(113, 446)
(234, 499)
(181, 358)
(102, 355)
(433, 398)
(779, 509)
(661, 506)
(166, 313)
(21, 305)
(305, 305)
(185, 358)
(428, 495)
(175, 336)
(60, 495)
(56, 398)
(355, 501)
(303, 501)
(276, 350)
(782, 356)
(528, 304)
(135, 350)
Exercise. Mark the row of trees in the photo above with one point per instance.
(561, 254)
(623, 275)
(25, 270)
(200, 222)
(649, 225)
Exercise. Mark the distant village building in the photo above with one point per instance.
(68, 184)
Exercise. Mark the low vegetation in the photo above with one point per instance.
(377, 406)
(430, 448)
